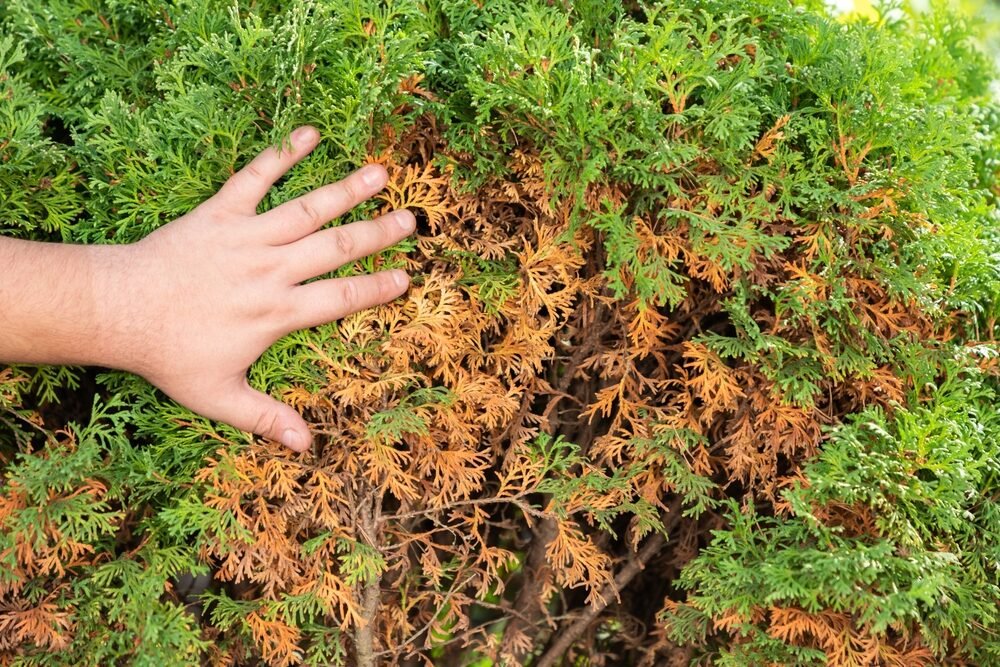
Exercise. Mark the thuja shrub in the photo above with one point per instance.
(698, 365)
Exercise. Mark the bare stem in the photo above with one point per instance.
(369, 591)
(570, 631)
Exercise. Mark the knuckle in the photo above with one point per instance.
(386, 285)
(266, 424)
(388, 229)
(253, 172)
(308, 211)
(349, 294)
(213, 211)
(343, 241)
(267, 267)
(263, 275)
(351, 190)
(388, 288)
(259, 311)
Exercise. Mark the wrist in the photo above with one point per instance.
(116, 284)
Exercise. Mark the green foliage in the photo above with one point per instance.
(715, 274)
(927, 478)
(38, 194)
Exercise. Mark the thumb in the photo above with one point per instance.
(250, 410)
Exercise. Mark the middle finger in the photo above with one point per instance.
(329, 249)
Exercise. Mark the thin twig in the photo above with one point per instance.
(517, 500)
(568, 634)
(412, 638)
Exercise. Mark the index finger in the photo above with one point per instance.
(246, 188)
(304, 215)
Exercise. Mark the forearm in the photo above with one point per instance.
(59, 302)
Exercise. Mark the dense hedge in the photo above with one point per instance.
(698, 365)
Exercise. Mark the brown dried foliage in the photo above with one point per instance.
(466, 381)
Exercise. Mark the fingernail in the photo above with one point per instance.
(405, 220)
(293, 440)
(400, 278)
(304, 134)
(372, 175)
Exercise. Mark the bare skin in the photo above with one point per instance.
(193, 304)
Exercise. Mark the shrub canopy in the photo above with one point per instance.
(698, 364)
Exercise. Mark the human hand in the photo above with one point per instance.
(209, 292)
